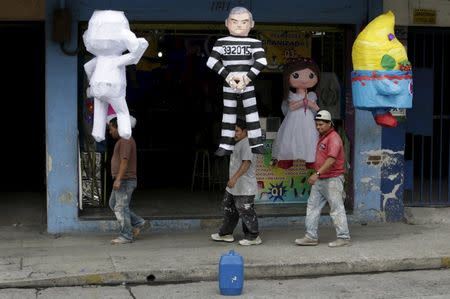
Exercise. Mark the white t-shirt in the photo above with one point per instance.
(246, 184)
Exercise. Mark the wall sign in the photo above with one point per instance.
(227, 5)
(281, 46)
(424, 16)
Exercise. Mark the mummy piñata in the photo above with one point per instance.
(108, 36)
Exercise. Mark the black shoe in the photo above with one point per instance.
(220, 152)
(259, 150)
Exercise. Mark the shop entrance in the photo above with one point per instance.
(427, 149)
(177, 102)
(22, 187)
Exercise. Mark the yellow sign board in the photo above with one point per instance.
(281, 46)
(424, 16)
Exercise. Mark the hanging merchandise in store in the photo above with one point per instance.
(297, 137)
(238, 59)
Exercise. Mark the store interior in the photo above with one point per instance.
(177, 102)
(23, 186)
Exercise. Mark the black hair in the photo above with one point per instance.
(325, 121)
(113, 122)
(299, 64)
(241, 123)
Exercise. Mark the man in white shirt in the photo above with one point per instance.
(240, 193)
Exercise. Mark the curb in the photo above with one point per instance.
(209, 273)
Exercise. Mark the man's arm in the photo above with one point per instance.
(122, 168)
(323, 169)
(245, 165)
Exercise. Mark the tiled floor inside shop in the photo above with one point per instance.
(23, 209)
(184, 204)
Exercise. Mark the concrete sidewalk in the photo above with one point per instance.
(32, 259)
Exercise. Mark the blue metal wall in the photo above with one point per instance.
(61, 91)
(284, 11)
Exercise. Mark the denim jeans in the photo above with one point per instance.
(235, 206)
(119, 202)
(331, 190)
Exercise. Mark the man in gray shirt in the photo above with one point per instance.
(240, 193)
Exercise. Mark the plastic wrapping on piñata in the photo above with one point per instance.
(382, 76)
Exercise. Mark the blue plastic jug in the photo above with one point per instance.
(231, 274)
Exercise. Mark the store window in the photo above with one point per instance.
(177, 102)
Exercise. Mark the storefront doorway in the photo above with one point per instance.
(22, 187)
(177, 102)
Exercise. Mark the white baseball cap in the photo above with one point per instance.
(324, 115)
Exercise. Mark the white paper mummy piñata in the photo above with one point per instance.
(108, 36)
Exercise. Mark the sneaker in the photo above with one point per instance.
(120, 240)
(340, 243)
(140, 228)
(246, 242)
(305, 241)
(224, 238)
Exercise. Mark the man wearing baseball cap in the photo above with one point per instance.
(327, 185)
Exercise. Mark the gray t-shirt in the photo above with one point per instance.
(246, 184)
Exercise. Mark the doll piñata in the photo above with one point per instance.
(297, 136)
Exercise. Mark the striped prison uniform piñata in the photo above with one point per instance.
(239, 55)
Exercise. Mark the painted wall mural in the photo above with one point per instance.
(278, 185)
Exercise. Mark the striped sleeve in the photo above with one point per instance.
(260, 60)
(215, 61)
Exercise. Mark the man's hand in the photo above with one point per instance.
(312, 179)
(116, 184)
(231, 182)
(295, 105)
(241, 86)
(230, 79)
(243, 82)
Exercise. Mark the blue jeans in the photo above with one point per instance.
(331, 190)
(119, 202)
